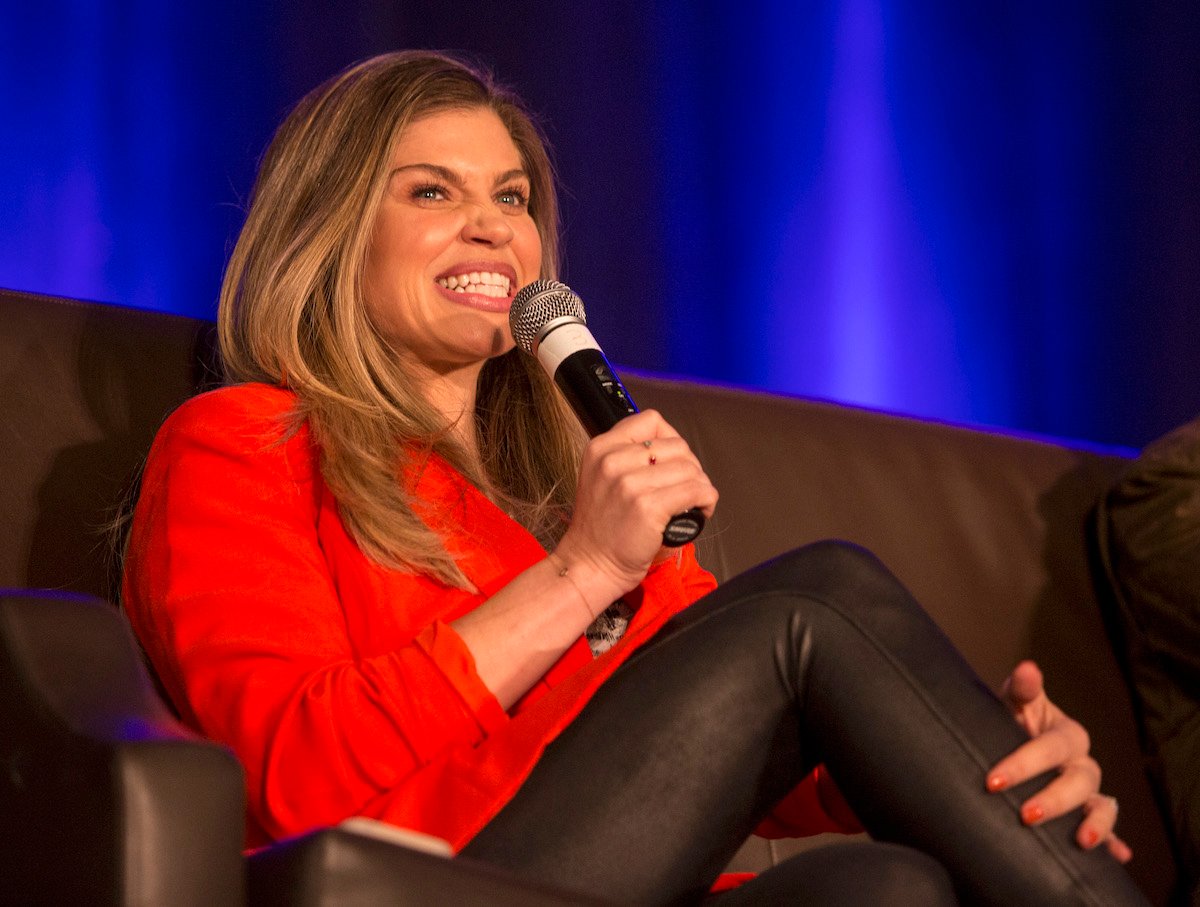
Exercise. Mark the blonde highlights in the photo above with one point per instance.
(292, 313)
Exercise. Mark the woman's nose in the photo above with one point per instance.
(487, 226)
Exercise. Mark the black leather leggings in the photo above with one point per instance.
(818, 656)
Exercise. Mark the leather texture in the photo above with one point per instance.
(338, 868)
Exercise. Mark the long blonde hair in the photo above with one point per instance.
(292, 313)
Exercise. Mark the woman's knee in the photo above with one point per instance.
(833, 570)
(832, 585)
(842, 560)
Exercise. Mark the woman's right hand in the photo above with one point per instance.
(633, 479)
(627, 493)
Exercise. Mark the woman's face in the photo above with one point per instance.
(453, 240)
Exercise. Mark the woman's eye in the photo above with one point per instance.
(514, 198)
(429, 193)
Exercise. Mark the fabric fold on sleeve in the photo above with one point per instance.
(451, 656)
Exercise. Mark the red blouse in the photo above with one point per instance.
(338, 683)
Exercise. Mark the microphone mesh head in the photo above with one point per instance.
(536, 305)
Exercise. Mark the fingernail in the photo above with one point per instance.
(997, 783)
(1091, 838)
(1031, 814)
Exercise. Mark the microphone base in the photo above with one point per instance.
(683, 527)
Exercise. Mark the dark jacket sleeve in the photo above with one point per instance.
(1148, 529)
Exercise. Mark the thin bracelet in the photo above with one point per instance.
(565, 572)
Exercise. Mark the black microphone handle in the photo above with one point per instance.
(600, 401)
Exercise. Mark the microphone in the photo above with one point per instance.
(548, 323)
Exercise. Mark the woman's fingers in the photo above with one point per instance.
(1100, 818)
(633, 479)
(1024, 688)
(1076, 785)
(648, 425)
(659, 485)
(628, 456)
(1060, 743)
(1121, 851)
(646, 454)
(1052, 747)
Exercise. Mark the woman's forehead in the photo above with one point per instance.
(477, 130)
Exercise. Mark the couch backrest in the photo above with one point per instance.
(987, 529)
(83, 389)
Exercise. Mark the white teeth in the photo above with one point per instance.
(485, 283)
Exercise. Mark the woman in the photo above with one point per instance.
(385, 569)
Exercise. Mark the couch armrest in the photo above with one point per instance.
(104, 797)
(351, 866)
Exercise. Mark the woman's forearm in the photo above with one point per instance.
(518, 633)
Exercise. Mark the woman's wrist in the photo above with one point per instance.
(595, 589)
(563, 570)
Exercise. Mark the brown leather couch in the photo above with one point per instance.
(989, 530)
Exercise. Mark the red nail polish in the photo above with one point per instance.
(997, 783)
(1031, 814)
(1091, 838)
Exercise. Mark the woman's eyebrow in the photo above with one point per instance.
(514, 174)
(447, 175)
(442, 173)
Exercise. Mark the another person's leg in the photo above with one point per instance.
(819, 656)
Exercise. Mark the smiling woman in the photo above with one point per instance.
(386, 567)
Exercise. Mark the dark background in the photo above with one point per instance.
(978, 214)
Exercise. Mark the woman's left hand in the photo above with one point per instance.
(1059, 742)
